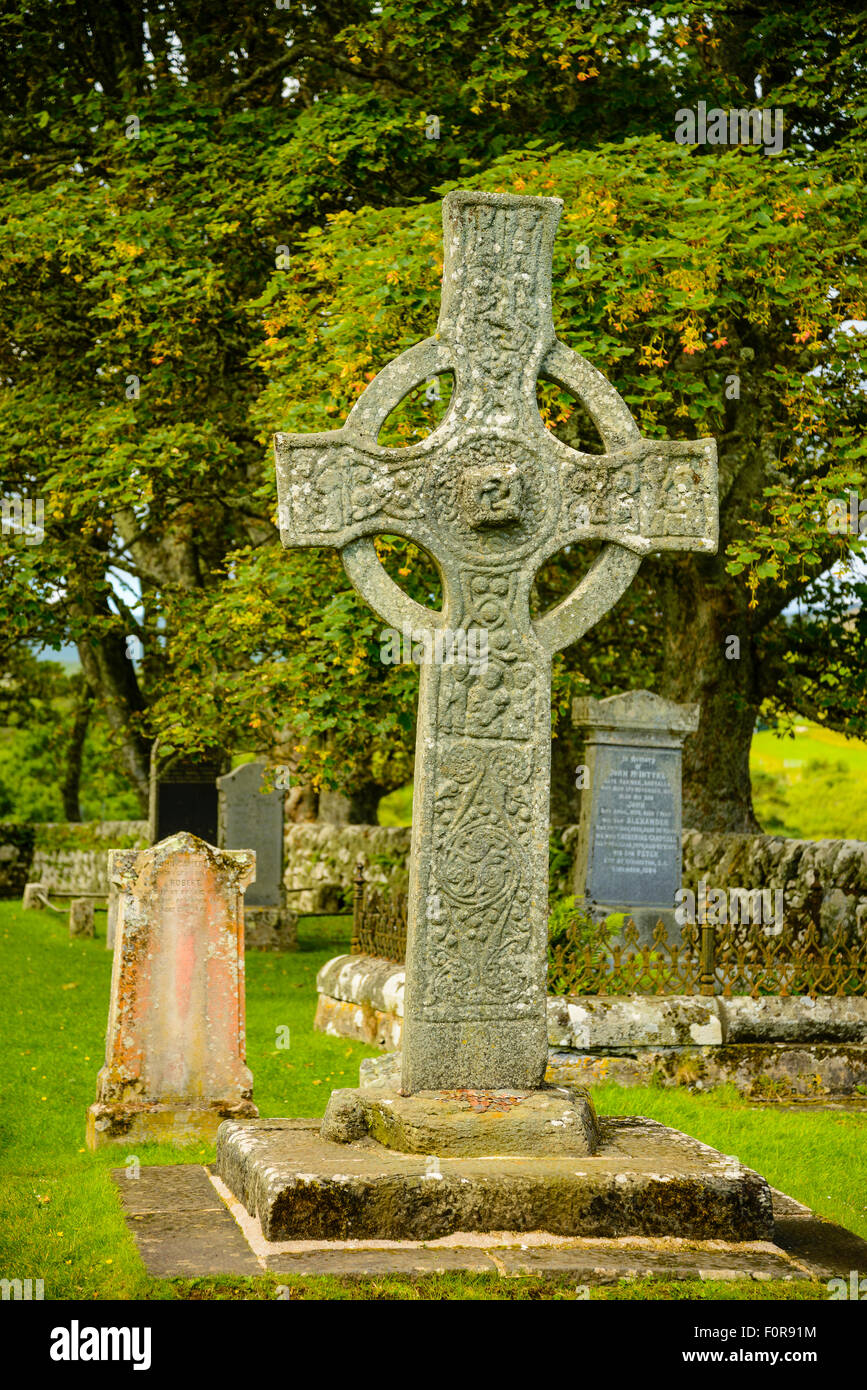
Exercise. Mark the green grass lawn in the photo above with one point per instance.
(60, 1217)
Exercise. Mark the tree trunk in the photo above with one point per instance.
(364, 803)
(72, 779)
(111, 676)
(709, 659)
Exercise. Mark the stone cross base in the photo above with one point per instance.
(553, 1121)
(644, 1180)
(135, 1122)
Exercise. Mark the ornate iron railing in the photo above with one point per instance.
(378, 921)
(708, 960)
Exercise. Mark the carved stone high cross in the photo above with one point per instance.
(491, 495)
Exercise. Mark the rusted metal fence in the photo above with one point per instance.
(708, 960)
(378, 921)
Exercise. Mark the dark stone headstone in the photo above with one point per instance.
(253, 819)
(628, 855)
(184, 797)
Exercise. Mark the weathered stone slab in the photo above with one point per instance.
(551, 1121)
(417, 1260)
(174, 1060)
(760, 1071)
(601, 1022)
(81, 919)
(607, 1262)
(644, 1180)
(795, 1019)
(378, 984)
(359, 1021)
(605, 1021)
(253, 819)
(180, 1226)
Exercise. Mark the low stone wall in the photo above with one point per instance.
(769, 1046)
(320, 862)
(824, 881)
(72, 859)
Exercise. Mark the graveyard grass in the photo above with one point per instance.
(61, 1219)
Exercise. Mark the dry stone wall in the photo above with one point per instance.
(822, 880)
(68, 859)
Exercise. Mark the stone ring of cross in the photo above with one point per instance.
(491, 487)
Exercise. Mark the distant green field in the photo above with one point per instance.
(810, 784)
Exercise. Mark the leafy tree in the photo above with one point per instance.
(156, 159)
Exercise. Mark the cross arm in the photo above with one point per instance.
(651, 495)
(334, 488)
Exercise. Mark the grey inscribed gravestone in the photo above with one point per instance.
(629, 838)
(490, 494)
(252, 819)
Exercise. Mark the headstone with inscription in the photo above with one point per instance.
(251, 818)
(628, 853)
(174, 1058)
(491, 494)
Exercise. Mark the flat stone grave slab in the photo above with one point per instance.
(644, 1179)
(187, 1224)
(554, 1120)
(180, 1225)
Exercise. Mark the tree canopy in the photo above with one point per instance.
(222, 220)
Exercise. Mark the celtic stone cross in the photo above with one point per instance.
(491, 495)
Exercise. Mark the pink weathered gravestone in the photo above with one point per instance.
(174, 1057)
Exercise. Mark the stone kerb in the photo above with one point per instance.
(797, 1044)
